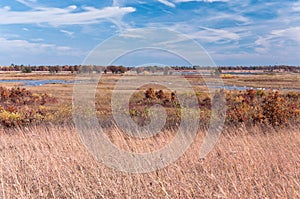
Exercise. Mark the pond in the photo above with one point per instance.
(243, 88)
(36, 82)
(25, 82)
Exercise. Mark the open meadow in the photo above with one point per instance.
(256, 156)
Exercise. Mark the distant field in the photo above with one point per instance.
(275, 81)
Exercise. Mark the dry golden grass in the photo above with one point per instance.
(51, 162)
(275, 81)
(38, 76)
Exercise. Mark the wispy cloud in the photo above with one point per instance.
(119, 3)
(292, 34)
(17, 45)
(206, 34)
(69, 33)
(230, 30)
(214, 35)
(28, 3)
(207, 1)
(172, 3)
(21, 51)
(280, 38)
(167, 3)
(296, 6)
(63, 16)
(37, 40)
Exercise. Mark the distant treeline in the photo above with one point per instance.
(263, 68)
(153, 69)
(72, 69)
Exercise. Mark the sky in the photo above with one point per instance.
(231, 32)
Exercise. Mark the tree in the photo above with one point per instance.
(57, 69)
(113, 69)
(122, 69)
(27, 69)
(218, 71)
(72, 69)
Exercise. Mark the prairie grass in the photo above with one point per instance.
(51, 162)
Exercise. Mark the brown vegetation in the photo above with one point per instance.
(51, 162)
(19, 106)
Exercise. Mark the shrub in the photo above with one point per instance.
(19, 106)
(262, 107)
(150, 94)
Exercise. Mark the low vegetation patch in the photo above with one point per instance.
(250, 107)
(19, 106)
(253, 107)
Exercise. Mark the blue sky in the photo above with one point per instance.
(233, 32)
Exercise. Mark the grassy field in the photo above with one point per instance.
(251, 159)
(275, 81)
(51, 162)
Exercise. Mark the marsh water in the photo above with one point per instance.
(36, 82)
(25, 82)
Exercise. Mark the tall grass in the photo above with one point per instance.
(51, 162)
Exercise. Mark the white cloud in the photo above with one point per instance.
(205, 34)
(296, 6)
(28, 3)
(63, 16)
(6, 8)
(216, 36)
(262, 45)
(292, 33)
(36, 52)
(69, 33)
(226, 16)
(207, 1)
(261, 42)
(167, 3)
(118, 2)
(24, 46)
(37, 40)
(72, 7)
(279, 39)
(130, 35)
